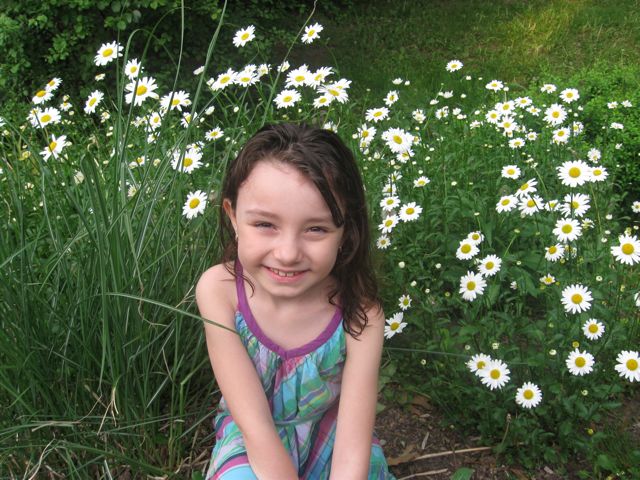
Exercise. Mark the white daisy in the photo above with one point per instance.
(286, 98)
(548, 279)
(108, 52)
(555, 114)
(567, 229)
(54, 148)
(495, 85)
(376, 114)
(528, 395)
(140, 90)
(554, 252)
(214, 134)
(527, 188)
(223, 79)
(421, 182)
(576, 298)
(580, 363)
(593, 329)
(466, 250)
(410, 212)
(628, 365)
(454, 65)
(548, 88)
(530, 205)
(506, 203)
(490, 265)
(195, 204)
(93, 101)
(188, 162)
(476, 237)
(132, 69)
(42, 96)
(175, 100)
(561, 135)
(391, 98)
(598, 173)
(47, 116)
(383, 242)
(478, 363)
(398, 140)
(311, 32)
(628, 252)
(404, 302)
(389, 203)
(471, 285)
(244, 36)
(338, 90)
(298, 77)
(511, 171)
(569, 95)
(575, 204)
(574, 173)
(388, 223)
(394, 325)
(495, 375)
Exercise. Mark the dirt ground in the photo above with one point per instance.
(418, 446)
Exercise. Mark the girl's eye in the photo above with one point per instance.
(263, 225)
(317, 229)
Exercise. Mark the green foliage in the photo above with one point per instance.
(59, 37)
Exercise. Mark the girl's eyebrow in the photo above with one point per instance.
(264, 213)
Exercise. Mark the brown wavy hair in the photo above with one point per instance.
(322, 157)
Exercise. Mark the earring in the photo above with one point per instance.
(236, 237)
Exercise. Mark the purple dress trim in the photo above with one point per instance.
(243, 308)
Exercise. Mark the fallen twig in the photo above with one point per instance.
(425, 474)
(443, 454)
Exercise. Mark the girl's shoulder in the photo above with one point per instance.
(216, 291)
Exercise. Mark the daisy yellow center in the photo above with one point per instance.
(397, 139)
(580, 362)
(335, 92)
(288, 98)
(175, 101)
(569, 95)
(567, 228)
(141, 90)
(377, 114)
(553, 249)
(597, 172)
(52, 146)
(471, 286)
(187, 162)
(511, 171)
(574, 172)
(225, 79)
(574, 204)
(93, 101)
(480, 365)
(495, 374)
(245, 79)
(394, 325)
(528, 394)
(51, 83)
(133, 69)
(494, 115)
(561, 133)
(107, 52)
(489, 266)
(632, 364)
(505, 202)
(323, 100)
(299, 78)
(555, 114)
(627, 249)
(505, 107)
(365, 134)
(524, 186)
(410, 211)
(466, 248)
(45, 118)
(475, 236)
(311, 33)
(388, 223)
(593, 328)
(245, 35)
(576, 298)
(194, 203)
(41, 93)
(531, 203)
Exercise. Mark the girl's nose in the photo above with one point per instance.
(288, 251)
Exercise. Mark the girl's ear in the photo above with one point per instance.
(228, 208)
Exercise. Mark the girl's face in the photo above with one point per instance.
(287, 241)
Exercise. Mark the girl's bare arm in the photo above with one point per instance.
(358, 397)
(238, 380)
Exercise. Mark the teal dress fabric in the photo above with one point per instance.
(303, 389)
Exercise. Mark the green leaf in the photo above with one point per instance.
(463, 473)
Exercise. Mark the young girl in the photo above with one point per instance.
(297, 363)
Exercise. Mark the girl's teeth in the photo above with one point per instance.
(283, 274)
